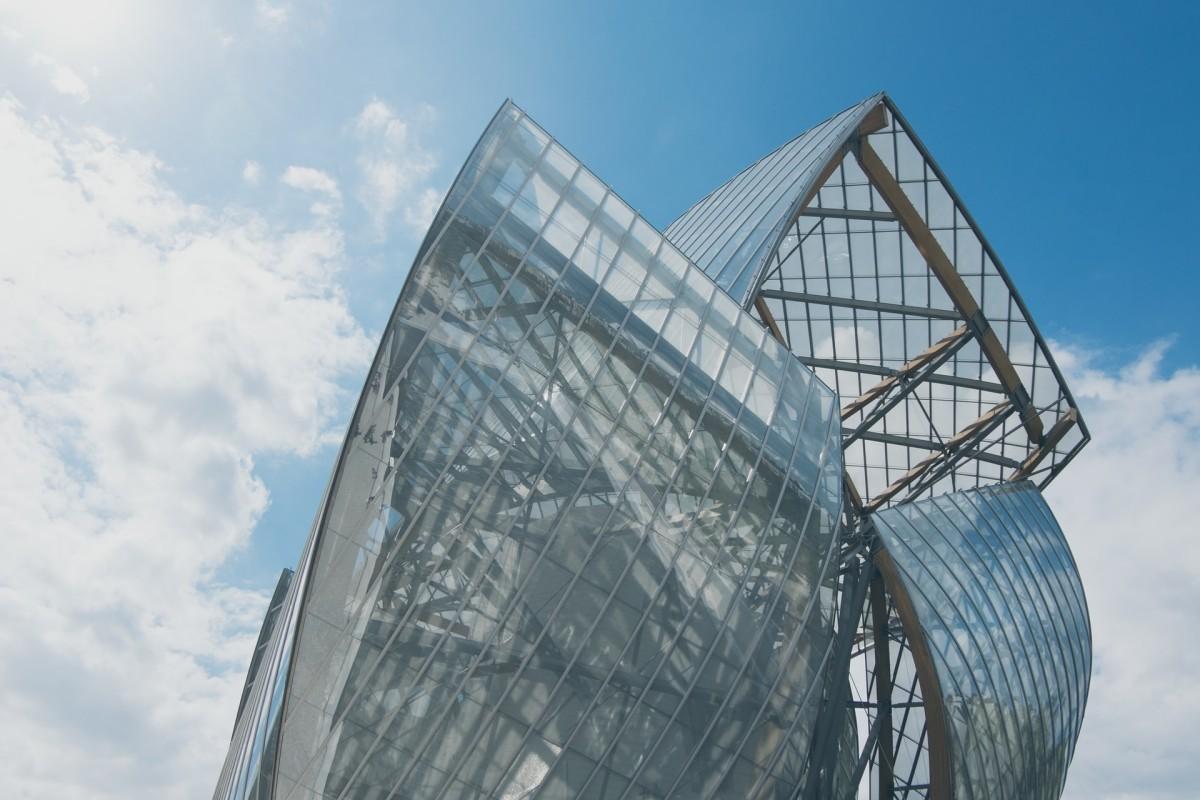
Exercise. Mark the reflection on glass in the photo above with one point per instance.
(577, 542)
(1000, 603)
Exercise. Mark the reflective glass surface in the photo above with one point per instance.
(581, 538)
(731, 233)
(854, 297)
(1001, 607)
(249, 769)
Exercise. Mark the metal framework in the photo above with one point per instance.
(876, 277)
(602, 527)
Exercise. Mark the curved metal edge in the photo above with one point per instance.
(1087, 612)
(319, 523)
(937, 724)
(749, 167)
(832, 156)
(987, 247)
(266, 634)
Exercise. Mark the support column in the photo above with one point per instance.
(885, 747)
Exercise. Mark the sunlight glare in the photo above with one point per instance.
(78, 28)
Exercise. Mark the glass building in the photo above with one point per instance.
(749, 508)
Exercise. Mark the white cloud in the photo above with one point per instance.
(272, 14)
(393, 165)
(64, 79)
(848, 344)
(252, 173)
(308, 179)
(419, 215)
(1127, 505)
(150, 351)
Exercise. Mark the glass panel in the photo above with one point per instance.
(534, 578)
(999, 600)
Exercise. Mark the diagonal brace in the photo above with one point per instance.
(943, 269)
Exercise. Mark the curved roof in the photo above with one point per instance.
(730, 233)
(552, 561)
(575, 445)
(999, 606)
(855, 250)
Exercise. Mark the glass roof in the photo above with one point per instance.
(1001, 609)
(944, 379)
(730, 232)
(577, 427)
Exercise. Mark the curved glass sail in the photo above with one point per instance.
(732, 233)
(999, 604)
(581, 538)
(853, 246)
(586, 535)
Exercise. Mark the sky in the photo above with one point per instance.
(207, 210)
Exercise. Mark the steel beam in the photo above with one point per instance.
(862, 305)
(880, 617)
(864, 759)
(943, 269)
(874, 369)
(963, 448)
(926, 444)
(822, 757)
(949, 450)
(849, 213)
(932, 357)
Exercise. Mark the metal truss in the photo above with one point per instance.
(584, 535)
(877, 254)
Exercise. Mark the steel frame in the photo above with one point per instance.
(872, 576)
(875, 617)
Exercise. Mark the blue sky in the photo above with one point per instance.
(233, 193)
(1064, 126)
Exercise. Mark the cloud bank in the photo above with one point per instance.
(392, 166)
(1128, 507)
(150, 349)
(63, 79)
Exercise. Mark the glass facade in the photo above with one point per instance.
(1001, 608)
(592, 531)
(806, 231)
(730, 233)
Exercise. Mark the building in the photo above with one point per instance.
(749, 508)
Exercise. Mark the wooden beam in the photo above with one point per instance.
(943, 268)
(852, 493)
(1056, 434)
(764, 311)
(937, 719)
(760, 303)
(904, 371)
(948, 449)
(875, 120)
(834, 162)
